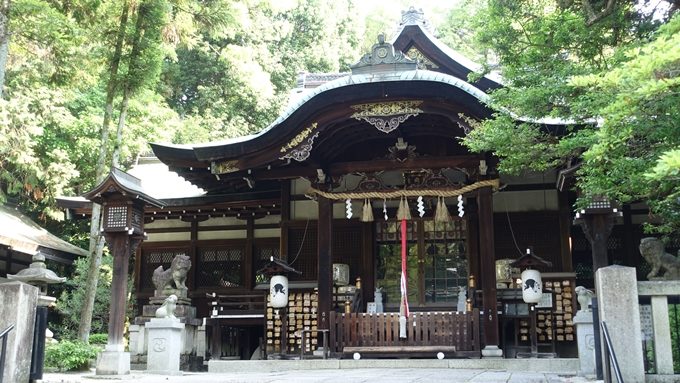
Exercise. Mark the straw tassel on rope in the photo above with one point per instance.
(442, 212)
(367, 213)
(404, 211)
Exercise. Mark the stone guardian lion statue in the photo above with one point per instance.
(167, 310)
(653, 252)
(173, 278)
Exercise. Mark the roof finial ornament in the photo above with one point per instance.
(415, 16)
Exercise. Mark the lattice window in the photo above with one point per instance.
(220, 267)
(116, 216)
(302, 253)
(261, 256)
(347, 249)
(151, 259)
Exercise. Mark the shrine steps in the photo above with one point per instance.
(554, 365)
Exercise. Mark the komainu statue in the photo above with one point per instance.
(585, 298)
(173, 278)
(167, 310)
(653, 252)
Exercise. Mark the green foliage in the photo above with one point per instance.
(615, 78)
(67, 355)
(99, 339)
(71, 300)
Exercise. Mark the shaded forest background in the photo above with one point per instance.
(86, 84)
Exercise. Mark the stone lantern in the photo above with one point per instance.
(123, 200)
(37, 274)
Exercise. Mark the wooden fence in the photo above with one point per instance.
(460, 330)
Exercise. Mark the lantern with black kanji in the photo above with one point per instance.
(532, 284)
(277, 270)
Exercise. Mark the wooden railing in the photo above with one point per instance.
(460, 330)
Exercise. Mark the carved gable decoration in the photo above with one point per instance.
(383, 58)
(424, 62)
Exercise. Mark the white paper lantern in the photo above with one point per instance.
(531, 286)
(278, 291)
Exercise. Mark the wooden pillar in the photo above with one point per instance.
(249, 277)
(120, 245)
(422, 253)
(473, 238)
(193, 254)
(565, 230)
(285, 218)
(629, 248)
(487, 261)
(368, 263)
(325, 268)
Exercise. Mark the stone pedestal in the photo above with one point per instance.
(165, 346)
(618, 307)
(492, 352)
(586, 342)
(113, 361)
(18, 301)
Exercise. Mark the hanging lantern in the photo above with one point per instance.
(531, 286)
(278, 291)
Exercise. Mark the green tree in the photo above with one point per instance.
(609, 69)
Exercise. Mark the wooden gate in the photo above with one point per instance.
(460, 330)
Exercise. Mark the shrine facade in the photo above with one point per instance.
(322, 186)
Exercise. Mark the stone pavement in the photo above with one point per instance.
(369, 375)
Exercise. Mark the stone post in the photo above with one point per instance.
(618, 307)
(586, 342)
(165, 346)
(18, 302)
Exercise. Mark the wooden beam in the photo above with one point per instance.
(340, 168)
(412, 164)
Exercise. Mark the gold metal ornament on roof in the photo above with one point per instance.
(223, 167)
(424, 62)
(387, 116)
(298, 150)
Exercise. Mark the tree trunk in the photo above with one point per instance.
(121, 125)
(96, 240)
(4, 42)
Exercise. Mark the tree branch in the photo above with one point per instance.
(595, 17)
